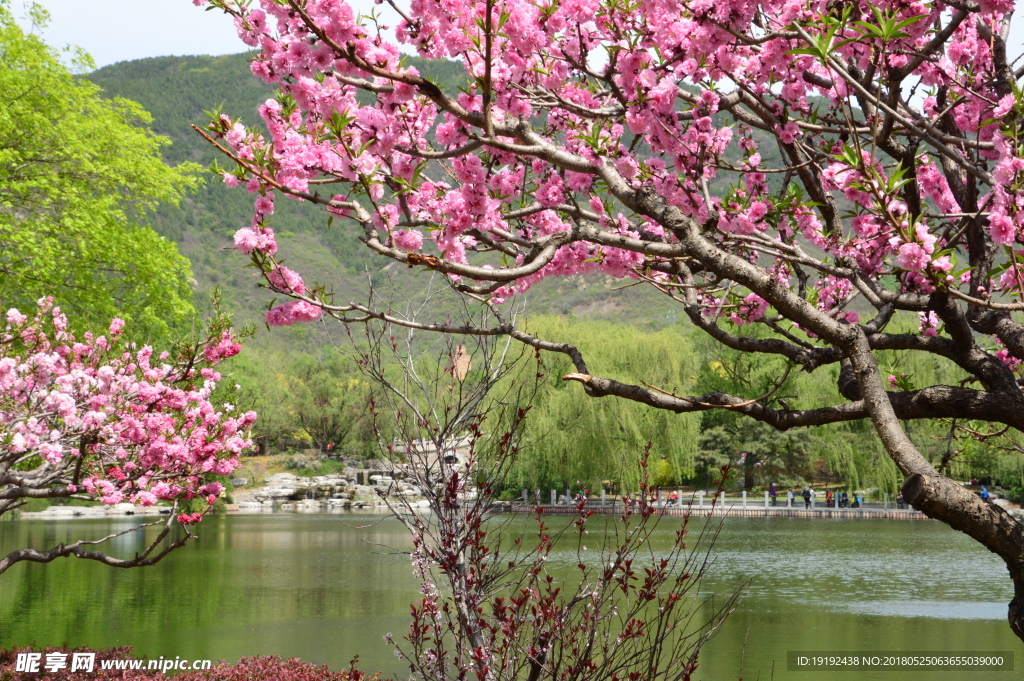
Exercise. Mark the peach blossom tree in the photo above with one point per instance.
(762, 162)
(91, 418)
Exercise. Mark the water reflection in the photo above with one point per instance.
(326, 588)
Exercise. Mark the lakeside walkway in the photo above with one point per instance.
(738, 510)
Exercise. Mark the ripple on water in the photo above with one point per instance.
(943, 610)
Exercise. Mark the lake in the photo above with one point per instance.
(326, 588)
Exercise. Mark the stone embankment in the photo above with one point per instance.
(354, 488)
(351, 489)
(60, 512)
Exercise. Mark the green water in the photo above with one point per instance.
(327, 587)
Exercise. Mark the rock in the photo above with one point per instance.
(276, 492)
(60, 510)
(239, 482)
(362, 492)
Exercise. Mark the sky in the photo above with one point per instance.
(119, 30)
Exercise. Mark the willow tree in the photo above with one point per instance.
(581, 442)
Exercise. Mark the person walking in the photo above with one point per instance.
(773, 493)
(984, 493)
(807, 497)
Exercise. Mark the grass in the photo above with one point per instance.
(256, 469)
(37, 505)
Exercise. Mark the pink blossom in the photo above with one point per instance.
(154, 422)
(408, 239)
(1002, 229)
(15, 318)
(145, 498)
(1004, 106)
(929, 323)
(1009, 360)
(293, 312)
(752, 309)
(265, 205)
(226, 347)
(246, 240)
(249, 239)
(284, 279)
(913, 257)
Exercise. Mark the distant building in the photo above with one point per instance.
(424, 452)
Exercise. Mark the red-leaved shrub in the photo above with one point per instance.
(267, 667)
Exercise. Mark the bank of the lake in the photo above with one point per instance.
(327, 587)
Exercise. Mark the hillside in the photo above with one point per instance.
(177, 90)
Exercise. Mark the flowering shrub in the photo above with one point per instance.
(89, 418)
(248, 669)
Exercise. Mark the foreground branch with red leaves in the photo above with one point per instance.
(578, 598)
(247, 669)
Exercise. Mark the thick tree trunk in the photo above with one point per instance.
(934, 494)
(861, 382)
(1016, 614)
(940, 498)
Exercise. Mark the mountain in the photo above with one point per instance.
(177, 91)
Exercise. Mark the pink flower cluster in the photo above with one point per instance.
(293, 312)
(89, 416)
(752, 309)
(555, 142)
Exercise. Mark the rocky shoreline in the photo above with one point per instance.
(352, 489)
(362, 488)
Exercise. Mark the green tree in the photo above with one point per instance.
(78, 176)
(843, 451)
(328, 401)
(576, 442)
(258, 381)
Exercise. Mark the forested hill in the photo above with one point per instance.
(274, 369)
(177, 91)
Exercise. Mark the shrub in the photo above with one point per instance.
(247, 669)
